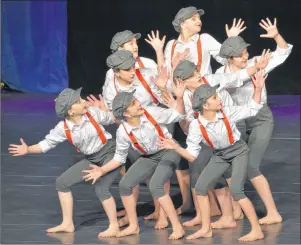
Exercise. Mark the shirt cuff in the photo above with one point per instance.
(284, 51)
(44, 146)
(193, 152)
(119, 158)
(255, 106)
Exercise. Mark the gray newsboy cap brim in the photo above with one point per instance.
(184, 14)
(200, 96)
(65, 100)
(184, 70)
(232, 47)
(121, 103)
(121, 38)
(121, 59)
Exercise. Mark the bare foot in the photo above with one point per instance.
(121, 213)
(61, 228)
(123, 221)
(271, 219)
(177, 233)
(154, 215)
(223, 223)
(131, 230)
(197, 220)
(238, 215)
(64, 238)
(183, 209)
(110, 232)
(161, 223)
(252, 236)
(200, 233)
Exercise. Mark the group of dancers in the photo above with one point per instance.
(224, 115)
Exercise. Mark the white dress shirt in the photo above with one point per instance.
(244, 94)
(141, 94)
(145, 133)
(148, 63)
(210, 47)
(216, 130)
(84, 135)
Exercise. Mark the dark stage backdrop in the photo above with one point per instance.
(92, 23)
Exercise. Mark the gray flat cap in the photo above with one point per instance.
(184, 14)
(201, 94)
(121, 102)
(121, 38)
(121, 59)
(65, 100)
(184, 70)
(232, 46)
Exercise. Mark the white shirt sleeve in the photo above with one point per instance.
(122, 145)
(278, 57)
(55, 136)
(167, 54)
(109, 94)
(194, 138)
(228, 80)
(164, 116)
(102, 117)
(189, 113)
(213, 47)
(109, 79)
(237, 113)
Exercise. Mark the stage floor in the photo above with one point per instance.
(30, 203)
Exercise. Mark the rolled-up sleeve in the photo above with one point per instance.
(194, 139)
(55, 136)
(102, 117)
(122, 146)
(165, 116)
(237, 113)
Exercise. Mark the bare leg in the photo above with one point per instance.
(109, 206)
(256, 232)
(227, 219)
(197, 220)
(155, 214)
(213, 204)
(167, 205)
(66, 201)
(206, 230)
(237, 212)
(263, 189)
(129, 202)
(162, 220)
(183, 177)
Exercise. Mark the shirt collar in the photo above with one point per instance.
(204, 121)
(130, 128)
(194, 38)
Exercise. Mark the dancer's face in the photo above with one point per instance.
(127, 75)
(193, 82)
(213, 103)
(241, 61)
(134, 109)
(131, 46)
(78, 108)
(193, 24)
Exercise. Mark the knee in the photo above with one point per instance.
(237, 193)
(61, 185)
(201, 188)
(193, 179)
(253, 172)
(156, 189)
(125, 188)
(102, 193)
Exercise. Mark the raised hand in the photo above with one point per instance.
(178, 88)
(236, 28)
(18, 150)
(168, 144)
(259, 79)
(92, 174)
(93, 101)
(155, 41)
(169, 99)
(162, 78)
(263, 60)
(271, 29)
(179, 57)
